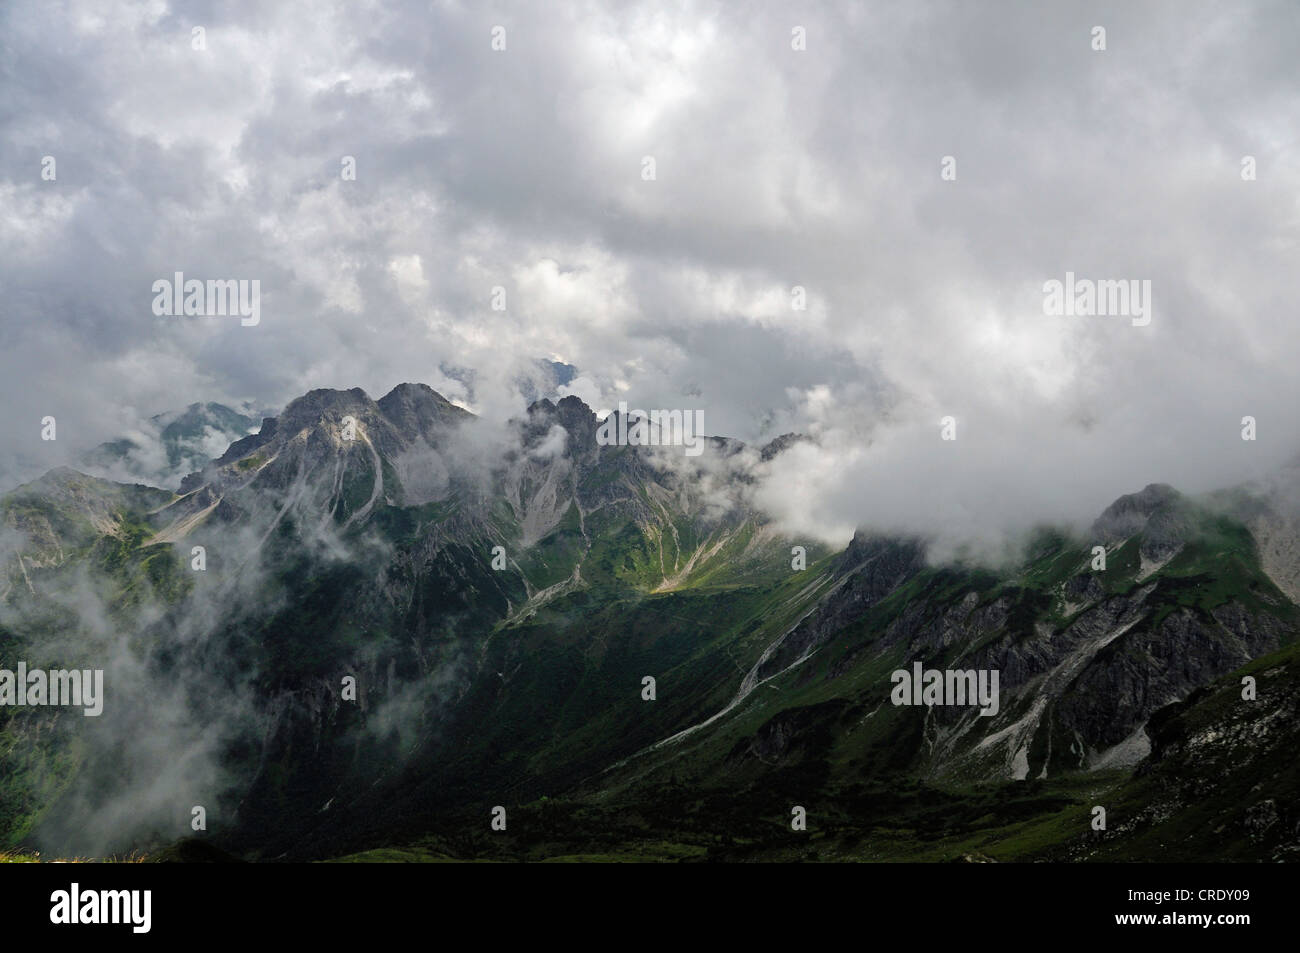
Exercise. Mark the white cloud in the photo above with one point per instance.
(776, 168)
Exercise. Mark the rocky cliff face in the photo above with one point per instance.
(1221, 775)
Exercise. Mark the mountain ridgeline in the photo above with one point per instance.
(359, 630)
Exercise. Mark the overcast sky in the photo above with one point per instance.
(774, 167)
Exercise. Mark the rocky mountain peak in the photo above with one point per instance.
(778, 445)
(417, 410)
(1130, 513)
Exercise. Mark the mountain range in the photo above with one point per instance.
(365, 625)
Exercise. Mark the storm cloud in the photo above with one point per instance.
(782, 176)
